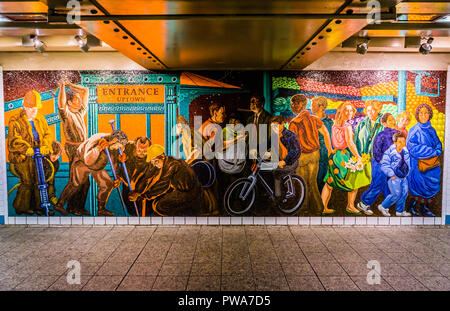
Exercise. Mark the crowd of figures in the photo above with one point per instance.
(346, 153)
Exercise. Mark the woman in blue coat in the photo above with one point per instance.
(424, 148)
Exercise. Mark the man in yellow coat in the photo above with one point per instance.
(28, 129)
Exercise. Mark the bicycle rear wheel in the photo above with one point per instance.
(234, 203)
(293, 201)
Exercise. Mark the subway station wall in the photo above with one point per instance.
(146, 104)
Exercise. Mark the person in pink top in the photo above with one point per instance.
(345, 169)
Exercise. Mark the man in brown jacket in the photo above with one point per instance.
(172, 186)
(72, 108)
(307, 127)
(26, 130)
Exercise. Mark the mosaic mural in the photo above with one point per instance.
(141, 143)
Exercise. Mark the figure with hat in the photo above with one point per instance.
(72, 109)
(136, 162)
(173, 189)
(91, 159)
(28, 129)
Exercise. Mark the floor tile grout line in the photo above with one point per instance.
(192, 262)
(278, 257)
(94, 274)
(310, 265)
(131, 266)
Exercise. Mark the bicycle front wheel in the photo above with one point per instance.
(293, 200)
(239, 198)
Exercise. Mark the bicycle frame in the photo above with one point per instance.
(255, 176)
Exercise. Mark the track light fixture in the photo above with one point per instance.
(38, 44)
(87, 41)
(362, 47)
(34, 41)
(425, 48)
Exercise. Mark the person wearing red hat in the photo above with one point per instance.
(72, 109)
(28, 129)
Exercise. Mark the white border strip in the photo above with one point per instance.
(3, 177)
(215, 221)
(445, 191)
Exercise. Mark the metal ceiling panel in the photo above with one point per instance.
(31, 6)
(423, 7)
(210, 43)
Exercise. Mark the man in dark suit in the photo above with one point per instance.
(260, 117)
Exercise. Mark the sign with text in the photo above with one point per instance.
(107, 94)
(427, 85)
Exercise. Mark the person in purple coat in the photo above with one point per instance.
(381, 143)
(425, 148)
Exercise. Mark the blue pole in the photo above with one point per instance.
(401, 95)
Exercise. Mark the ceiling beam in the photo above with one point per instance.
(409, 26)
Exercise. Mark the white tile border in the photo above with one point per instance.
(236, 220)
(111, 221)
(293, 220)
(338, 221)
(428, 220)
(156, 220)
(406, 221)
(258, 220)
(282, 220)
(202, 220)
(371, 220)
(272, 220)
(100, 220)
(122, 220)
(327, 221)
(445, 189)
(3, 176)
(225, 220)
(133, 220)
(396, 221)
(20, 220)
(304, 220)
(213, 221)
(191, 220)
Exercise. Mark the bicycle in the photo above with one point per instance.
(240, 195)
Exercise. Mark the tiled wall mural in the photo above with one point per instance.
(140, 143)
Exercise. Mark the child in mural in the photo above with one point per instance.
(136, 163)
(347, 168)
(91, 159)
(378, 184)
(403, 120)
(28, 129)
(173, 189)
(395, 165)
(425, 149)
(51, 170)
(307, 128)
(318, 107)
(288, 154)
(72, 108)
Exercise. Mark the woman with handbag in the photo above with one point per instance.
(424, 148)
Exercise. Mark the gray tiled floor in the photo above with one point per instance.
(224, 257)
